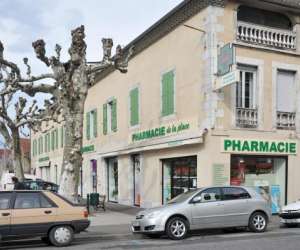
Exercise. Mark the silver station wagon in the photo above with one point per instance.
(211, 207)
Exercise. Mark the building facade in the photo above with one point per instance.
(212, 97)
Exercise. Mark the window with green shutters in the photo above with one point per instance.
(134, 107)
(114, 115)
(105, 118)
(168, 101)
(49, 142)
(46, 143)
(42, 145)
(88, 131)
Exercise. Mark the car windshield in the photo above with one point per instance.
(184, 196)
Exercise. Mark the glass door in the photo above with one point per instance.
(112, 174)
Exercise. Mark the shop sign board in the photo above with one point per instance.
(44, 159)
(87, 149)
(228, 79)
(258, 146)
(226, 59)
(159, 131)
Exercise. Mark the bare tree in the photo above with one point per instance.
(69, 90)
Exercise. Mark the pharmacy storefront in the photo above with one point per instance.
(262, 164)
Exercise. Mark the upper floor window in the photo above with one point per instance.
(285, 99)
(91, 124)
(134, 106)
(110, 116)
(265, 28)
(246, 107)
(263, 17)
(167, 93)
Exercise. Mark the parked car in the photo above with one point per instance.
(6, 182)
(290, 214)
(211, 207)
(40, 185)
(27, 214)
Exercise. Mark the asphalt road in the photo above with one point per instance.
(275, 238)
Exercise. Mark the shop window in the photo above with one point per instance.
(267, 175)
(179, 176)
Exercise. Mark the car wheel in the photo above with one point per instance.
(258, 222)
(61, 236)
(46, 240)
(177, 228)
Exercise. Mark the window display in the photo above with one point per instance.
(266, 174)
(179, 176)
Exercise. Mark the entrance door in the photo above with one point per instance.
(209, 212)
(94, 175)
(136, 180)
(5, 213)
(112, 180)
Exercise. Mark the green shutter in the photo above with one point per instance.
(49, 142)
(134, 107)
(52, 140)
(62, 136)
(168, 93)
(114, 115)
(42, 145)
(105, 119)
(95, 122)
(56, 138)
(88, 136)
(39, 146)
(34, 148)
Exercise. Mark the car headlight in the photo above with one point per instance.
(153, 214)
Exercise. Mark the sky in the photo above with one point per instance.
(24, 21)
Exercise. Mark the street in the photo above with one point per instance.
(119, 237)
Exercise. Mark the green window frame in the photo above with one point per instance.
(95, 123)
(134, 106)
(42, 145)
(46, 143)
(168, 90)
(88, 128)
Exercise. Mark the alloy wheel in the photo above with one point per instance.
(178, 228)
(259, 222)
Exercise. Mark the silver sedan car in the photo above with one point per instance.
(211, 207)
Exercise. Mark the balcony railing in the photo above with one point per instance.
(266, 36)
(246, 118)
(286, 120)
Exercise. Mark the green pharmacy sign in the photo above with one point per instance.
(44, 159)
(159, 131)
(88, 149)
(259, 146)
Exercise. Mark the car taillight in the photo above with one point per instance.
(85, 214)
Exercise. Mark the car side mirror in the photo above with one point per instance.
(196, 199)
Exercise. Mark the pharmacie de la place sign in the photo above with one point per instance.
(258, 146)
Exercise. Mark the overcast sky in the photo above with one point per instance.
(24, 21)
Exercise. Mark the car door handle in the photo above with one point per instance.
(5, 214)
(48, 212)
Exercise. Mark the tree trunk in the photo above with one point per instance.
(17, 154)
(73, 113)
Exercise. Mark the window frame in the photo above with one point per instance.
(201, 202)
(174, 93)
(135, 87)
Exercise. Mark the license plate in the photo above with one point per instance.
(135, 223)
(291, 221)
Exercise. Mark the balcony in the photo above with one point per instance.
(286, 120)
(246, 118)
(266, 36)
